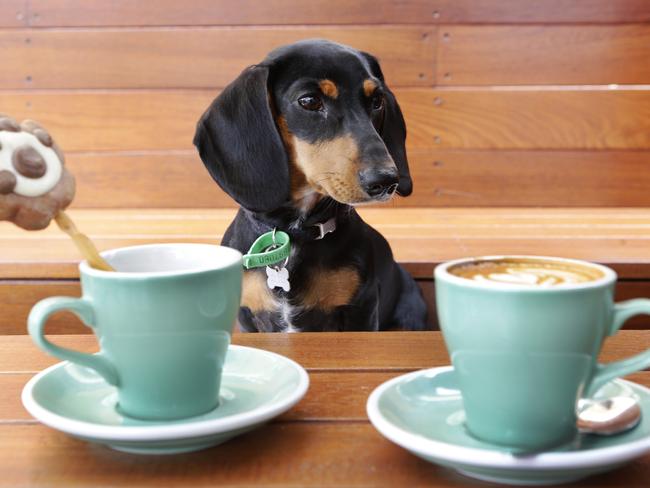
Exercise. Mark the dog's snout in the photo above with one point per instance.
(376, 183)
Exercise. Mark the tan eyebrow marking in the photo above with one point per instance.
(329, 88)
(369, 86)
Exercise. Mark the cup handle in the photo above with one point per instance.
(607, 372)
(81, 308)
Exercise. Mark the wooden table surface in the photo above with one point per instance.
(325, 440)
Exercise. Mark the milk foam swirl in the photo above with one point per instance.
(526, 272)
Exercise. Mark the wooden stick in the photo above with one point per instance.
(83, 243)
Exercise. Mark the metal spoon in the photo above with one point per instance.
(608, 416)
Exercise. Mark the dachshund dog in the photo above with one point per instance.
(298, 140)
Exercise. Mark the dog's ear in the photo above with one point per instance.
(393, 131)
(239, 143)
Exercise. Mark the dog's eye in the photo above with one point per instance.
(377, 102)
(311, 102)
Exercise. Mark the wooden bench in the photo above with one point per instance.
(513, 147)
(37, 265)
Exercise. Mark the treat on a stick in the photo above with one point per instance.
(35, 186)
(84, 244)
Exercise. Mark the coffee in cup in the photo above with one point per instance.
(526, 271)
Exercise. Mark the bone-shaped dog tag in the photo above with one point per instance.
(278, 278)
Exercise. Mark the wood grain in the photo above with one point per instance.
(317, 454)
(525, 55)
(529, 118)
(133, 180)
(504, 118)
(548, 11)
(18, 297)
(359, 351)
(123, 120)
(442, 178)
(312, 454)
(225, 12)
(529, 178)
(19, 354)
(419, 237)
(191, 57)
(52, 13)
(13, 13)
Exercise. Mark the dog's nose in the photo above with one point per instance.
(376, 183)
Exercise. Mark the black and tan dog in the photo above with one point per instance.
(297, 141)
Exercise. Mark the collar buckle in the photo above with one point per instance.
(325, 228)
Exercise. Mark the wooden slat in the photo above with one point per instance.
(224, 12)
(520, 55)
(441, 178)
(359, 351)
(18, 297)
(144, 180)
(13, 13)
(530, 118)
(191, 57)
(414, 223)
(19, 354)
(100, 121)
(339, 396)
(529, 178)
(420, 237)
(562, 118)
(548, 11)
(312, 454)
(308, 454)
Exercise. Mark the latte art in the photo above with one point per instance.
(526, 272)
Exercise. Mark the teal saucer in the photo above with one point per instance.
(256, 386)
(423, 413)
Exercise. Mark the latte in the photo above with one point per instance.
(526, 272)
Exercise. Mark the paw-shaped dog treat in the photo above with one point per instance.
(34, 183)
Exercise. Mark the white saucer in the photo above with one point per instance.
(423, 413)
(256, 386)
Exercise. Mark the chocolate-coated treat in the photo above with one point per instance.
(34, 183)
(28, 162)
(7, 182)
(9, 124)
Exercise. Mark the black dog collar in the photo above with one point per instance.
(323, 220)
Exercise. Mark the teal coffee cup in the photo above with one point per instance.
(524, 334)
(163, 321)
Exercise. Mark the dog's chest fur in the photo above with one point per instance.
(346, 281)
(318, 288)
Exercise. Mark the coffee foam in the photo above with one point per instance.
(526, 272)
